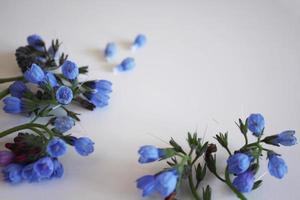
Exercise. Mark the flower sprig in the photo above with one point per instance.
(38, 93)
(183, 167)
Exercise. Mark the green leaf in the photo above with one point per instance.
(176, 146)
(257, 184)
(201, 149)
(200, 172)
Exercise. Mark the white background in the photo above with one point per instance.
(206, 64)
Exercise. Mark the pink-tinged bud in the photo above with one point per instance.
(6, 157)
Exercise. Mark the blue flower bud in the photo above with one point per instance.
(44, 167)
(6, 157)
(64, 95)
(147, 184)
(56, 147)
(165, 182)
(238, 163)
(139, 41)
(150, 153)
(34, 74)
(110, 50)
(277, 166)
(15, 105)
(50, 78)
(84, 146)
(126, 65)
(36, 42)
(244, 182)
(63, 124)
(17, 89)
(58, 169)
(29, 174)
(103, 86)
(286, 138)
(70, 70)
(256, 124)
(99, 99)
(12, 173)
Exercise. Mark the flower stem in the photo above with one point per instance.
(4, 80)
(193, 189)
(230, 185)
(4, 93)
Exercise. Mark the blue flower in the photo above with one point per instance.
(238, 163)
(84, 146)
(70, 70)
(99, 99)
(36, 42)
(56, 147)
(99, 85)
(165, 182)
(50, 78)
(17, 89)
(286, 138)
(147, 184)
(34, 74)
(44, 167)
(63, 124)
(58, 169)
(6, 157)
(150, 153)
(12, 173)
(64, 95)
(29, 174)
(244, 182)
(256, 124)
(126, 65)
(110, 50)
(15, 105)
(277, 166)
(139, 41)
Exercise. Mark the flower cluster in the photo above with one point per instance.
(49, 82)
(242, 164)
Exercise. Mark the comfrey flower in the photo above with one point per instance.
(110, 50)
(58, 171)
(104, 86)
(56, 147)
(36, 42)
(50, 79)
(139, 42)
(126, 65)
(64, 95)
(238, 163)
(244, 182)
(70, 70)
(277, 166)
(29, 174)
(149, 153)
(17, 89)
(15, 105)
(286, 138)
(84, 146)
(163, 183)
(34, 74)
(6, 157)
(99, 99)
(256, 124)
(63, 124)
(12, 173)
(44, 167)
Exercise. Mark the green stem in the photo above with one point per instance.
(193, 188)
(231, 186)
(4, 93)
(227, 149)
(246, 139)
(4, 80)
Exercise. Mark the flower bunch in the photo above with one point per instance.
(39, 93)
(243, 164)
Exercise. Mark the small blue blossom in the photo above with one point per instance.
(63, 124)
(147, 184)
(110, 50)
(256, 124)
(286, 138)
(277, 166)
(58, 171)
(139, 41)
(104, 86)
(12, 173)
(84, 146)
(17, 89)
(44, 167)
(70, 70)
(99, 99)
(36, 42)
(126, 65)
(244, 182)
(150, 153)
(56, 147)
(15, 105)
(165, 182)
(238, 163)
(6, 157)
(50, 78)
(29, 174)
(64, 95)
(34, 74)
